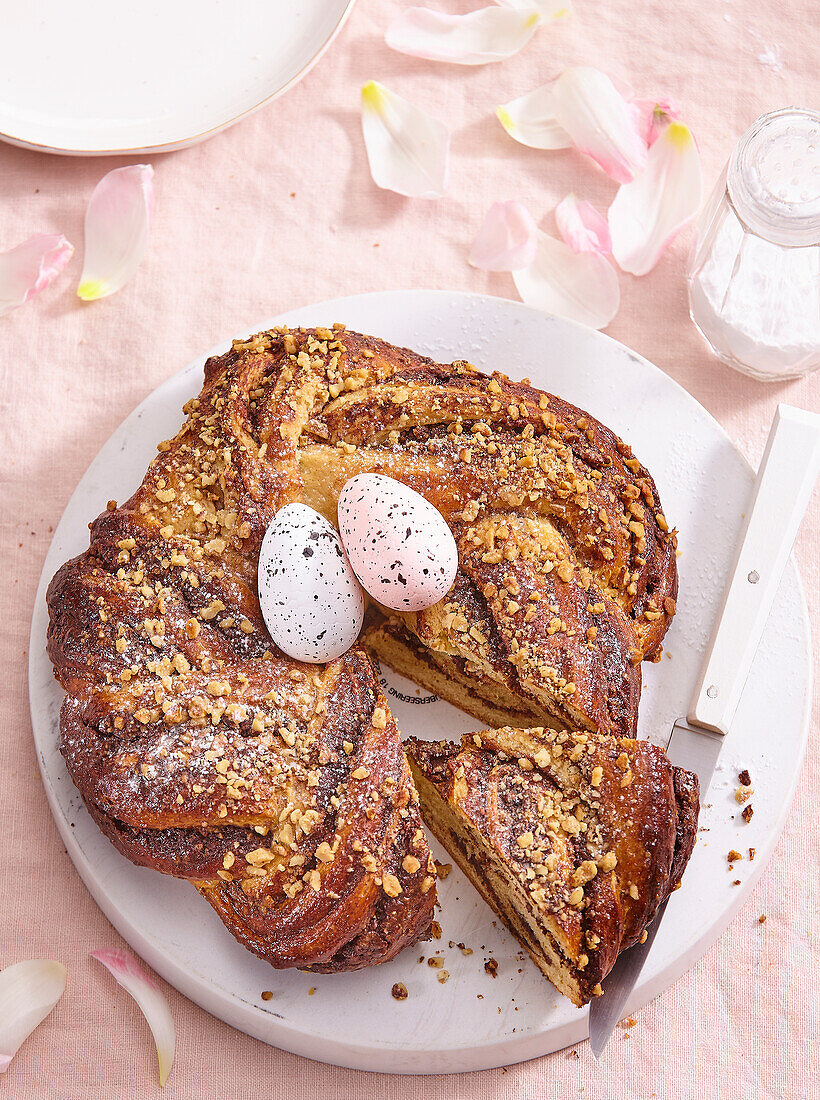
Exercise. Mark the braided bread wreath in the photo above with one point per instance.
(281, 790)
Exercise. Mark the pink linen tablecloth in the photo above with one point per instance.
(280, 211)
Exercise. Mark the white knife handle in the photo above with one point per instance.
(784, 484)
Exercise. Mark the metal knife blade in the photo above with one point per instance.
(781, 493)
(696, 750)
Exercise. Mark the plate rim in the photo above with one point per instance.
(194, 139)
(259, 1022)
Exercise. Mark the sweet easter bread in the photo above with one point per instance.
(279, 789)
(573, 838)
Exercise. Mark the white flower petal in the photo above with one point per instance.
(28, 992)
(582, 286)
(31, 267)
(531, 120)
(648, 213)
(582, 226)
(117, 221)
(508, 238)
(408, 150)
(653, 116)
(601, 123)
(488, 34)
(134, 980)
(547, 9)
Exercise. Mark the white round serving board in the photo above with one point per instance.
(103, 77)
(473, 1021)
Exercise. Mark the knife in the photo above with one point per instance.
(788, 470)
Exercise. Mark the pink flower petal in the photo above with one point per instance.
(653, 116)
(479, 37)
(134, 980)
(508, 238)
(531, 120)
(30, 267)
(547, 9)
(581, 286)
(599, 120)
(582, 226)
(649, 212)
(408, 150)
(28, 992)
(117, 221)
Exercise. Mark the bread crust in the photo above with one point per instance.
(584, 835)
(189, 734)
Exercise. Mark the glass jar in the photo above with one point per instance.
(754, 272)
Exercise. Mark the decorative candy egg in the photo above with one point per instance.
(399, 545)
(309, 596)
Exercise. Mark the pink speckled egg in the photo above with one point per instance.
(399, 545)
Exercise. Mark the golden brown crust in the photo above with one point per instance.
(575, 839)
(188, 733)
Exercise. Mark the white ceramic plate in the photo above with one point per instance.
(105, 77)
(474, 1021)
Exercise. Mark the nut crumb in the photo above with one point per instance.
(745, 778)
(733, 856)
(266, 994)
(491, 966)
(747, 814)
(436, 961)
(443, 869)
(399, 991)
(444, 976)
(761, 919)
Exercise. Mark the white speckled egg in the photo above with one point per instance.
(399, 545)
(309, 596)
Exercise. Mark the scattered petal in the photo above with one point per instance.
(581, 107)
(31, 267)
(488, 34)
(582, 286)
(134, 980)
(507, 240)
(28, 992)
(531, 120)
(408, 150)
(653, 116)
(547, 9)
(117, 221)
(600, 122)
(648, 213)
(582, 226)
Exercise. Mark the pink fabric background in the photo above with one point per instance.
(280, 211)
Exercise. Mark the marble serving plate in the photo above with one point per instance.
(474, 1021)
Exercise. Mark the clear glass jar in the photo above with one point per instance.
(754, 272)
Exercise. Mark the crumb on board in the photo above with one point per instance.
(747, 813)
(266, 994)
(435, 930)
(443, 869)
(443, 976)
(761, 919)
(311, 991)
(399, 991)
(743, 794)
(491, 966)
(733, 856)
(436, 961)
(745, 778)
(752, 852)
